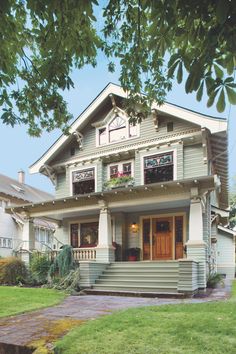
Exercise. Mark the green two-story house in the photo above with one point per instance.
(138, 192)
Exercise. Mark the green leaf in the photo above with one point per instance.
(172, 69)
(231, 95)
(218, 71)
(188, 83)
(221, 102)
(200, 92)
(211, 98)
(180, 73)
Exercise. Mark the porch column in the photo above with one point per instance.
(105, 251)
(196, 247)
(28, 238)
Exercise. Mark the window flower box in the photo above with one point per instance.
(121, 181)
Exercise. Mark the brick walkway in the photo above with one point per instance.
(45, 326)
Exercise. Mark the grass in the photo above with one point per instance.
(173, 329)
(15, 300)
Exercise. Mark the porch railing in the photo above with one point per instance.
(84, 254)
(79, 254)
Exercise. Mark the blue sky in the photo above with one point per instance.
(19, 151)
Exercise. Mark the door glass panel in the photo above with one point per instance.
(146, 239)
(178, 237)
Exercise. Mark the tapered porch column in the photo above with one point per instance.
(196, 247)
(105, 250)
(28, 238)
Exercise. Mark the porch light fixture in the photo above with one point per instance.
(134, 227)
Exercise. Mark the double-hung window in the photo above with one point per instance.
(158, 168)
(83, 181)
(121, 168)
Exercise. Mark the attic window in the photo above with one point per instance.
(18, 189)
(117, 129)
(170, 127)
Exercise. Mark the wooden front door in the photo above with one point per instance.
(162, 238)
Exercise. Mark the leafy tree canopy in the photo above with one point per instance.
(154, 41)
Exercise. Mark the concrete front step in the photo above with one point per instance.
(129, 287)
(132, 271)
(124, 282)
(141, 277)
(116, 292)
(166, 264)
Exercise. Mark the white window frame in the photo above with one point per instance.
(120, 164)
(106, 126)
(155, 152)
(87, 167)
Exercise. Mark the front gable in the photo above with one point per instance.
(103, 103)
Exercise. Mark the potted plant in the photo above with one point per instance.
(133, 254)
(121, 180)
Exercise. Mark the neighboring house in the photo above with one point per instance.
(14, 226)
(174, 168)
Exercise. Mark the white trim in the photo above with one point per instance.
(88, 167)
(155, 152)
(213, 124)
(120, 163)
(226, 230)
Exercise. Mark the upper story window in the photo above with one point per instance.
(123, 168)
(117, 129)
(159, 168)
(83, 181)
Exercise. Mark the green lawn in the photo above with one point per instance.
(194, 328)
(14, 300)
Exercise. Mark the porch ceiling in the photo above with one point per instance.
(172, 194)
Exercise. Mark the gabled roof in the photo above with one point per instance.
(25, 193)
(213, 124)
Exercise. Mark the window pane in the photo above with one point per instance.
(132, 130)
(89, 234)
(74, 235)
(117, 135)
(117, 129)
(114, 171)
(127, 169)
(102, 136)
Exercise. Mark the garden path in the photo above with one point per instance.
(43, 327)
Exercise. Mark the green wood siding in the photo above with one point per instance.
(193, 162)
(147, 131)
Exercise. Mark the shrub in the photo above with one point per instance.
(63, 263)
(214, 279)
(12, 271)
(39, 268)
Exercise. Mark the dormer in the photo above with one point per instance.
(115, 128)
